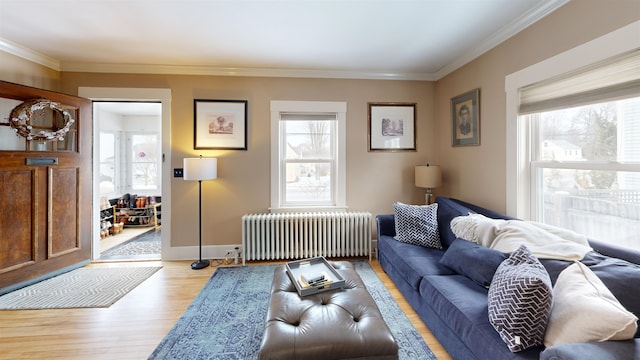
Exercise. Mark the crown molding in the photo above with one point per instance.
(28, 54)
(233, 71)
(540, 11)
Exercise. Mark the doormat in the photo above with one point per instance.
(93, 287)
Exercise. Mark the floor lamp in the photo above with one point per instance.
(428, 176)
(200, 169)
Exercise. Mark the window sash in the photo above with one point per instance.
(554, 200)
(330, 132)
(285, 196)
(146, 168)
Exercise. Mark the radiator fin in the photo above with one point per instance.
(283, 236)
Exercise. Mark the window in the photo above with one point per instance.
(585, 169)
(108, 180)
(145, 162)
(308, 155)
(583, 153)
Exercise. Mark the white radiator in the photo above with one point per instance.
(279, 236)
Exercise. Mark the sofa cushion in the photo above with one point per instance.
(585, 310)
(417, 224)
(606, 350)
(476, 262)
(447, 210)
(412, 261)
(462, 304)
(520, 300)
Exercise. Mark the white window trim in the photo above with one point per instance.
(340, 109)
(517, 144)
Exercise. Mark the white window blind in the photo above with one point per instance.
(307, 117)
(611, 79)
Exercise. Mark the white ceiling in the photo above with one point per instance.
(385, 39)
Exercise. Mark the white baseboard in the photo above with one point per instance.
(208, 252)
(220, 252)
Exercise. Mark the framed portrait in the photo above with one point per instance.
(465, 119)
(392, 126)
(220, 124)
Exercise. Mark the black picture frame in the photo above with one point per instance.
(392, 126)
(220, 124)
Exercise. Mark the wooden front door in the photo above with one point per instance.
(45, 185)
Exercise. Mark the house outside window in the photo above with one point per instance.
(579, 149)
(308, 155)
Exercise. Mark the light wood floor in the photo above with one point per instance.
(133, 326)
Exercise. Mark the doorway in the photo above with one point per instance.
(162, 96)
(128, 152)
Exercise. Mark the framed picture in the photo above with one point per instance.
(465, 119)
(392, 126)
(220, 124)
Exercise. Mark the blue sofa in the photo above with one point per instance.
(455, 308)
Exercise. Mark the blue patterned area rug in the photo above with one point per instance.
(227, 318)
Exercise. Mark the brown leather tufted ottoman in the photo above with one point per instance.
(337, 324)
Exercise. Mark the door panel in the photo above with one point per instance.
(17, 219)
(63, 211)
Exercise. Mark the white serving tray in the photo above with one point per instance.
(310, 268)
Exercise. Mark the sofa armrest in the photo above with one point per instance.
(386, 225)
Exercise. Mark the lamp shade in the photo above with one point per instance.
(428, 176)
(200, 168)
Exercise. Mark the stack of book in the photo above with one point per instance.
(314, 278)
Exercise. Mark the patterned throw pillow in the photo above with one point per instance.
(417, 224)
(520, 298)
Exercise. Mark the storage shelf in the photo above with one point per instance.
(140, 217)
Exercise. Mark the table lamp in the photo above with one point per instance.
(428, 176)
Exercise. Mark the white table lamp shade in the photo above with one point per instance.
(428, 176)
(200, 168)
